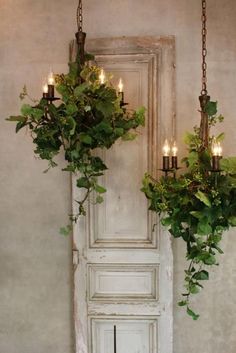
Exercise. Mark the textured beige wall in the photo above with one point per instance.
(35, 278)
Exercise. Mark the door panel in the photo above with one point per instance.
(129, 282)
(123, 219)
(124, 274)
(133, 336)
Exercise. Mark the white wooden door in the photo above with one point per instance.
(124, 273)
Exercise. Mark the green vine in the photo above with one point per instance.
(198, 206)
(89, 116)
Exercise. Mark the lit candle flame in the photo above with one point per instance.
(174, 149)
(102, 77)
(216, 148)
(120, 86)
(45, 88)
(51, 79)
(219, 149)
(166, 148)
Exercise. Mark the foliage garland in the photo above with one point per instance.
(89, 116)
(198, 206)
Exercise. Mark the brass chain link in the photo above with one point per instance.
(204, 49)
(79, 16)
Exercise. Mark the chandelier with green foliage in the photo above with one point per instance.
(199, 205)
(89, 114)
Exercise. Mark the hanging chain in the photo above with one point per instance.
(204, 49)
(79, 16)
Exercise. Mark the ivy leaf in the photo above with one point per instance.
(189, 138)
(64, 91)
(210, 260)
(106, 108)
(104, 126)
(26, 109)
(192, 314)
(20, 125)
(99, 199)
(71, 109)
(85, 138)
(207, 258)
(37, 113)
(193, 289)
(70, 168)
(166, 221)
(100, 189)
(17, 118)
(140, 116)
(71, 124)
(220, 137)
(197, 214)
(129, 136)
(220, 251)
(201, 275)
(228, 165)
(119, 131)
(79, 90)
(183, 303)
(203, 197)
(192, 159)
(107, 94)
(66, 230)
(83, 182)
(232, 221)
(97, 164)
(232, 180)
(203, 227)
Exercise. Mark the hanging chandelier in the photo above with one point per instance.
(198, 205)
(89, 114)
(208, 108)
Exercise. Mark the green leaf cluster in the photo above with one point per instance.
(88, 117)
(198, 206)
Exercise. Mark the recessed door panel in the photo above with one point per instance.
(132, 336)
(115, 282)
(123, 219)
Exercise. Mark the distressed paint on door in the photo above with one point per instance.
(124, 275)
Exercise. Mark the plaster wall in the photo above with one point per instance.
(35, 278)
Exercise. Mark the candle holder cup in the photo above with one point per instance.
(174, 162)
(216, 163)
(50, 91)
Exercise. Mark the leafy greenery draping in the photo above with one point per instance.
(88, 116)
(198, 206)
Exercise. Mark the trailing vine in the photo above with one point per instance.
(198, 206)
(89, 116)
